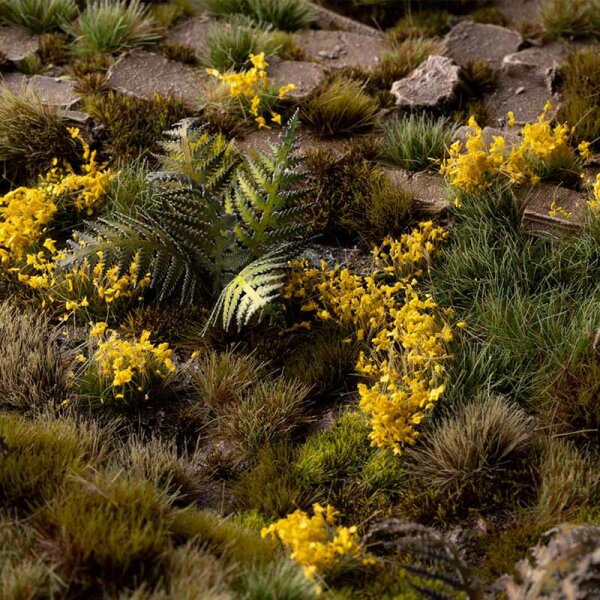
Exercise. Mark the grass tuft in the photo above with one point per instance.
(340, 107)
(38, 16)
(108, 26)
(416, 142)
(571, 17)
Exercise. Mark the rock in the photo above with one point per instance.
(14, 82)
(538, 62)
(54, 91)
(437, 83)
(192, 33)
(328, 19)
(468, 42)
(144, 74)
(519, 12)
(341, 49)
(427, 189)
(539, 216)
(77, 117)
(306, 76)
(17, 45)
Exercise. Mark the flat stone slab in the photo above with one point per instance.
(329, 19)
(341, 49)
(50, 90)
(193, 33)
(306, 76)
(15, 82)
(468, 42)
(17, 44)
(144, 74)
(542, 63)
(438, 82)
(540, 217)
(428, 190)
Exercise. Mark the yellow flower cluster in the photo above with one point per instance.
(405, 333)
(24, 215)
(594, 202)
(542, 147)
(128, 363)
(86, 189)
(253, 86)
(316, 543)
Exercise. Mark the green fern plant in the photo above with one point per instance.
(216, 226)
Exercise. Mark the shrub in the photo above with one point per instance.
(416, 142)
(33, 368)
(108, 26)
(581, 103)
(287, 15)
(32, 135)
(132, 125)
(38, 15)
(467, 455)
(340, 107)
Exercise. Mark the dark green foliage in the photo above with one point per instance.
(38, 15)
(340, 107)
(287, 15)
(32, 134)
(464, 457)
(132, 125)
(581, 104)
(415, 142)
(214, 226)
(33, 368)
(128, 191)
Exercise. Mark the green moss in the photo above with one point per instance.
(132, 125)
(384, 470)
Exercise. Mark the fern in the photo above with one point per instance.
(251, 292)
(216, 226)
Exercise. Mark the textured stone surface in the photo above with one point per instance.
(192, 33)
(518, 12)
(143, 74)
(306, 76)
(17, 44)
(53, 91)
(469, 41)
(340, 49)
(328, 19)
(15, 82)
(539, 199)
(540, 63)
(438, 82)
(428, 190)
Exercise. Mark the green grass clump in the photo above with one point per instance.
(133, 125)
(108, 26)
(488, 15)
(468, 454)
(33, 368)
(581, 103)
(416, 142)
(166, 14)
(32, 135)
(571, 17)
(287, 15)
(54, 48)
(38, 16)
(38, 455)
(128, 191)
(340, 107)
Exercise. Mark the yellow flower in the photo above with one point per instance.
(98, 329)
(258, 60)
(511, 118)
(276, 118)
(584, 150)
(73, 132)
(262, 123)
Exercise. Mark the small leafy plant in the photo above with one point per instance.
(38, 16)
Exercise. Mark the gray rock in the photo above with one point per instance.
(144, 74)
(438, 82)
(17, 45)
(570, 207)
(428, 190)
(519, 12)
(193, 33)
(542, 63)
(306, 76)
(328, 19)
(468, 42)
(341, 49)
(53, 91)
(14, 82)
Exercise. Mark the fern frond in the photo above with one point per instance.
(251, 291)
(267, 196)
